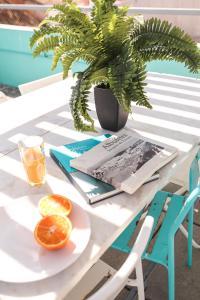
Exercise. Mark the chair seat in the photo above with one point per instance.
(160, 248)
(122, 242)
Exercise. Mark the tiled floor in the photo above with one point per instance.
(187, 281)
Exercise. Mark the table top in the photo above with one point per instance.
(174, 120)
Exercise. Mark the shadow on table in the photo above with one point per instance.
(179, 121)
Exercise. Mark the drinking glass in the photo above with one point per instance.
(32, 155)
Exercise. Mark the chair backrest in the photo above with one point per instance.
(194, 193)
(194, 173)
(114, 285)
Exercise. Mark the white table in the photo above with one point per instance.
(174, 121)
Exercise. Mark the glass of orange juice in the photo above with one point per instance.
(32, 155)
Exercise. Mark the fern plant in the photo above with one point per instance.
(116, 48)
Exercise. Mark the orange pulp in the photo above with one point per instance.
(53, 232)
(55, 205)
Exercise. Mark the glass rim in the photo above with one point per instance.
(31, 141)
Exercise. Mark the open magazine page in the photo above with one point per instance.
(124, 161)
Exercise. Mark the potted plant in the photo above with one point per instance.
(116, 48)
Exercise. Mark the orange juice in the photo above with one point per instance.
(34, 164)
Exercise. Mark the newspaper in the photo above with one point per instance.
(125, 160)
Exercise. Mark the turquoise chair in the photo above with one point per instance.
(178, 209)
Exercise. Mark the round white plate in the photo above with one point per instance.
(21, 258)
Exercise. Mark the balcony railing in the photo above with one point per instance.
(132, 10)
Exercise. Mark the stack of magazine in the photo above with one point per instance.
(103, 166)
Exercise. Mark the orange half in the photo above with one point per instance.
(55, 205)
(53, 232)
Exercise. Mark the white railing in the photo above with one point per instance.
(132, 10)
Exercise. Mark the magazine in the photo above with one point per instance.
(92, 189)
(124, 161)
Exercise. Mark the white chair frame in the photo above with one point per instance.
(118, 279)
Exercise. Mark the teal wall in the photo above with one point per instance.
(170, 67)
(17, 66)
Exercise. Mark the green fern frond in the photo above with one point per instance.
(46, 45)
(65, 9)
(79, 107)
(84, 108)
(98, 77)
(136, 87)
(67, 61)
(190, 58)
(120, 72)
(58, 53)
(86, 57)
(40, 33)
(115, 47)
(48, 42)
(51, 42)
(69, 16)
(115, 28)
(155, 31)
(74, 105)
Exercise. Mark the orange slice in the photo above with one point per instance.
(53, 232)
(55, 205)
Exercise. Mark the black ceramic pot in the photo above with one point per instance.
(110, 114)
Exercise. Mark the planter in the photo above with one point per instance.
(110, 114)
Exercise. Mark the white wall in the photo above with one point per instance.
(190, 24)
